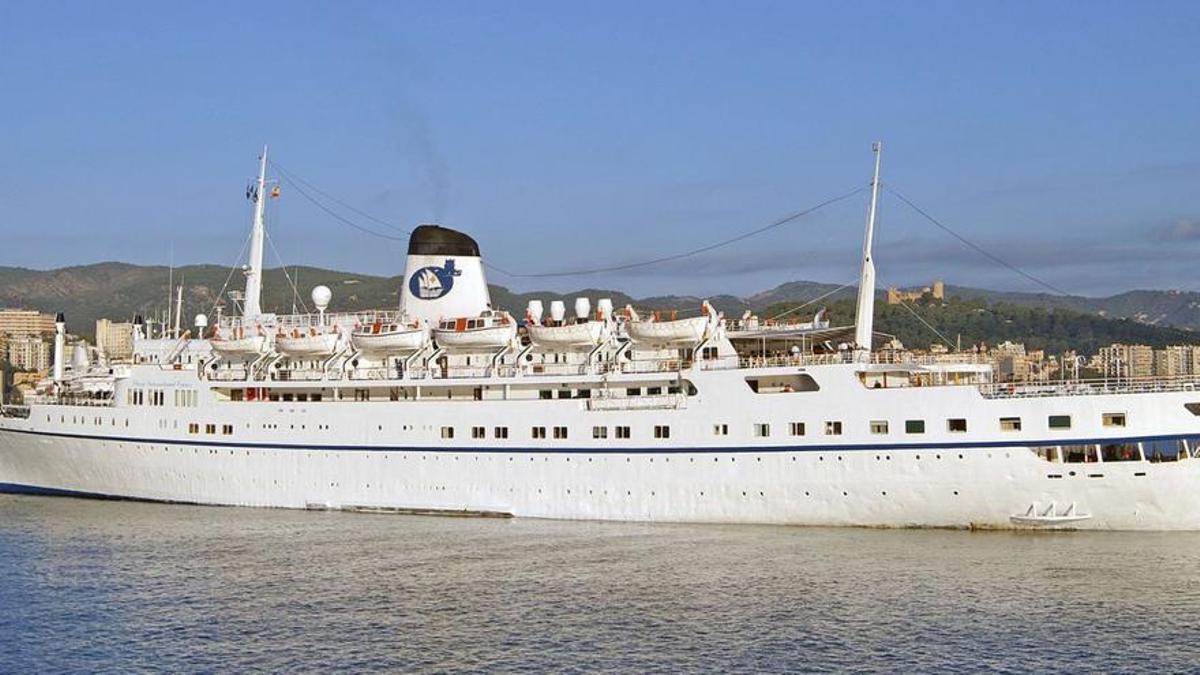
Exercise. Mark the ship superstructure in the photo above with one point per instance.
(448, 404)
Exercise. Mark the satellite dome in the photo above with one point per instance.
(321, 295)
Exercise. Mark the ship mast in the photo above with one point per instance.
(865, 319)
(252, 303)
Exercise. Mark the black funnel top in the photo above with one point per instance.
(438, 240)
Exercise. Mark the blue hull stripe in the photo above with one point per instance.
(610, 450)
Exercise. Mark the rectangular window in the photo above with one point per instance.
(447, 432)
(599, 432)
(653, 391)
(478, 432)
(564, 393)
(762, 430)
(833, 428)
(560, 432)
(500, 432)
(914, 426)
(879, 426)
(1010, 424)
(720, 430)
(227, 430)
(193, 428)
(538, 432)
(633, 391)
(662, 431)
(623, 432)
(1060, 421)
(210, 428)
(956, 424)
(796, 428)
(545, 394)
(1114, 419)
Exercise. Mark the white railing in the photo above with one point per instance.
(1143, 385)
(660, 402)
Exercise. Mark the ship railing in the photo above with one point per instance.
(658, 402)
(1092, 387)
(558, 369)
(17, 411)
(655, 366)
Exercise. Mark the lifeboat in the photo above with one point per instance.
(670, 331)
(307, 343)
(390, 338)
(489, 330)
(568, 335)
(235, 343)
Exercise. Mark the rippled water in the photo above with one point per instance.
(93, 585)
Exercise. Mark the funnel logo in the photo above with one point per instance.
(431, 283)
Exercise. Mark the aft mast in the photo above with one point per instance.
(865, 319)
(252, 303)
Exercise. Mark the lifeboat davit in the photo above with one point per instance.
(489, 330)
(390, 338)
(569, 335)
(235, 343)
(307, 343)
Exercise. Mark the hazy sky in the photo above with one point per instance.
(1062, 136)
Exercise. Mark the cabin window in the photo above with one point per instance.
(1080, 454)
(662, 431)
(956, 424)
(1046, 452)
(447, 432)
(833, 428)
(478, 432)
(234, 395)
(583, 393)
(193, 428)
(1114, 419)
(315, 397)
(623, 432)
(708, 353)
(1060, 421)
(1193, 408)
(762, 430)
(545, 394)
(1120, 452)
(599, 432)
(720, 430)
(538, 432)
(633, 391)
(879, 426)
(653, 391)
(500, 432)
(782, 384)
(914, 426)
(1168, 451)
(560, 433)
(796, 428)
(226, 429)
(288, 397)
(564, 393)
(210, 428)
(1010, 424)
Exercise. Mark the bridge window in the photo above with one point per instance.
(914, 426)
(1113, 419)
(1010, 424)
(1059, 421)
(956, 424)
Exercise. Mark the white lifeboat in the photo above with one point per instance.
(568, 335)
(235, 342)
(489, 330)
(390, 338)
(309, 342)
(659, 331)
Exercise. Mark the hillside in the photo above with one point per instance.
(119, 291)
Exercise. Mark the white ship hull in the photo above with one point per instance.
(391, 455)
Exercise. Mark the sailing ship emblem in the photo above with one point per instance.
(431, 283)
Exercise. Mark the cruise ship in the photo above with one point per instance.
(447, 404)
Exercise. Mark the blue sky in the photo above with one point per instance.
(1062, 136)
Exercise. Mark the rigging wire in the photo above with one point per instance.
(903, 303)
(809, 302)
(299, 184)
(233, 268)
(977, 248)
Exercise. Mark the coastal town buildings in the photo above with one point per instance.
(113, 339)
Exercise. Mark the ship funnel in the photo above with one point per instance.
(443, 276)
(558, 310)
(583, 307)
(60, 346)
(535, 310)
